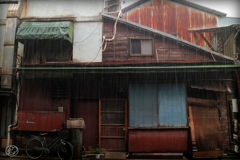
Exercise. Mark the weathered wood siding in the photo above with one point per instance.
(164, 49)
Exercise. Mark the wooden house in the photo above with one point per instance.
(172, 62)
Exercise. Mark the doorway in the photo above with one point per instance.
(112, 124)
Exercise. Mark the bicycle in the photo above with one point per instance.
(36, 146)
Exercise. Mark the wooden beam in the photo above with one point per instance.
(195, 38)
(208, 154)
(202, 102)
(205, 39)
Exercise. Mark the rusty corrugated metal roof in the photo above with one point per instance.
(190, 4)
(216, 29)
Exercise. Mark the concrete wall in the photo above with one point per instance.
(87, 23)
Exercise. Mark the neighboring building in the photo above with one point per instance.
(188, 21)
(138, 89)
(227, 21)
(7, 97)
(174, 17)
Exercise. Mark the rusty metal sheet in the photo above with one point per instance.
(172, 18)
(205, 128)
(40, 121)
(158, 140)
(88, 110)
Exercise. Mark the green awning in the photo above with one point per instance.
(45, 30)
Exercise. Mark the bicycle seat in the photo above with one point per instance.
(43, 134)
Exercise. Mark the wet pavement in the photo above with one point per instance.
(3, 156)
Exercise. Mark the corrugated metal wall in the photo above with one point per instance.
(172, 18)
(172, 104)
(157, 105)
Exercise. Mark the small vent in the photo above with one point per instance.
(59, 89)
(112, 6)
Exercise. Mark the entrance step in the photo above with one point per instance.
(115, 155)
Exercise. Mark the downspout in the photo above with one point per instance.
(13, 14)
(16, 111)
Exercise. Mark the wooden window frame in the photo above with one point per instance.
(100, 124)
(141, 54)
(35, 53)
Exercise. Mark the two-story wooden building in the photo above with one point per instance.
(138, 89)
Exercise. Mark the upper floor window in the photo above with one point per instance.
(141, 47)
(46, 41)
(112, 6)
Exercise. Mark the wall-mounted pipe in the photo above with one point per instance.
(16, 111)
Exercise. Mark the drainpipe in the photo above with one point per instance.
(16, 111)
(234, 44)
(13, 14)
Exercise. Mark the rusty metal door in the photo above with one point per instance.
(205, 131)
(112, 124)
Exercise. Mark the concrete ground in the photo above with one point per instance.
(3, 156)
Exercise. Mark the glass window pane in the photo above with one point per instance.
(136, 46)
(112, 118)
(113, 105)
(146, 47)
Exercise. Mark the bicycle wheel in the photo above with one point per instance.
(31, 150)
(65, 150)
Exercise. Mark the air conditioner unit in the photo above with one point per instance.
(112, 7)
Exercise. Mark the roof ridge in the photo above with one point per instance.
(185, 2)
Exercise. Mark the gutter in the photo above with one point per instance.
(131, 67)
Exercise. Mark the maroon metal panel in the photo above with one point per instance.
(36, 96)
(88, 110)
(158, 141)
(40, 121)
(171, 17)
